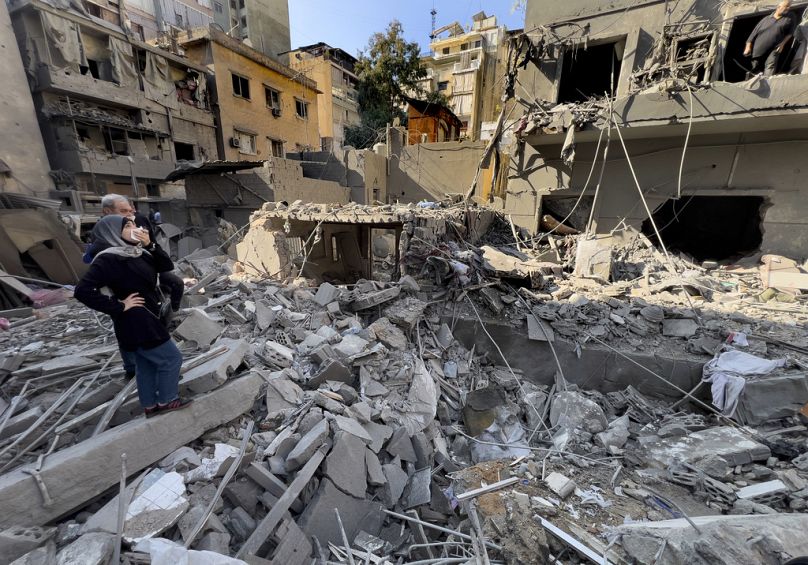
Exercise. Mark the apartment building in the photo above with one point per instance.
(262, 24)
(160, 19)
(263, 107)
(463, 66)
(333, 71)
(115, 114)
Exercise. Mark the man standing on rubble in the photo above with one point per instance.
(126, 265)
(769, 39)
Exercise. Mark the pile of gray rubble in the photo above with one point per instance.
(382, 423)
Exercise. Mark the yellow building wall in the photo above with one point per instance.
(319, 70)
(253, 115)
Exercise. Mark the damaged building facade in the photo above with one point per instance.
(653, 97)
(115, 113)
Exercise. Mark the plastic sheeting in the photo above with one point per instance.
(123, 62)
(165, 552)
(157, 83)
(64, 42)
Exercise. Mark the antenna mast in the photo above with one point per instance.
(434, 13)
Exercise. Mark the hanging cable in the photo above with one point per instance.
(602, 169)
(653, 223)
(687, 139)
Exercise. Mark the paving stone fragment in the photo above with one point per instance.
(188, 521)
(199, 328)
(327, 293)
(423, 450)
(21, 422)
(331, 370)
(282, 394)
(345, 464)
(679, 327)
(352, 427)
(350, 345)
(243, 492)
(308, 444)
(259, 473)
(372, 299)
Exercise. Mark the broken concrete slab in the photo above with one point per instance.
(389, 334)
(376, 298)
(199, 328)
(405, 313)
(318, 519)
(216, 542)
(380, 434)
(89, 468)
(418, 491)
(259, 473)
(44, 555)
(345, 464)
(244, 493)
(350, 345)
(156, 509)
(573, 410)
(561, 485)
(683, 327)
(307, 445)
(725, 442)
(21, 422)
(89, 549)
(376, 476)
(282, 394)
(331, 370)
(538, 329)
(326, 294)
(772, 398)
(352, 427)
(765, 492)
(395, 483)
(216, 371)
(400, 445)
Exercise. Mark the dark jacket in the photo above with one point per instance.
(139, 326)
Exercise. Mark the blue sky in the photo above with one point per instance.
(349, 24)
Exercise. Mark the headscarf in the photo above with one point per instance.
(107, 234)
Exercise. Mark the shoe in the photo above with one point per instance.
(176, 404)
(149, 412)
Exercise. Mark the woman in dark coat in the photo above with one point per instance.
(127, 265)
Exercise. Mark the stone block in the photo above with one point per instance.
(279, 355)
(282, 394)
(380, 434)
(199, 328)
(240, 523)
(269, 482)
(418, 491)
(345, 464)
(352, 427)
(216, 371)
(21, 422)
(376, 298)
(683, 327)
(350, 345)
(395, 482)
(243, 493)
(560, 484)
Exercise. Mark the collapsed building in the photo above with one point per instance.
(627, 99)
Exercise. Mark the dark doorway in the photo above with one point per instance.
(717, 228)
(590, 73)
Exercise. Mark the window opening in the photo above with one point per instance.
(591, 72)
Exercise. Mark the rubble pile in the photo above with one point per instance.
(352, 423)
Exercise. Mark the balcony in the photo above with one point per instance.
(87, 88)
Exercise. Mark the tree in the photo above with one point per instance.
(388, 69)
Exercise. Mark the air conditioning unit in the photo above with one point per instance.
(276, 112)
(235, 142)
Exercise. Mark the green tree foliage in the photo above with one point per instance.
(388, 69)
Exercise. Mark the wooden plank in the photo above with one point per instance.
(271, 520)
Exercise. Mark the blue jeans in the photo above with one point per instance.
(158, 374)
(128, 358)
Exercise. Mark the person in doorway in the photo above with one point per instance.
(127, 264)
(799, 62)
(769, 39)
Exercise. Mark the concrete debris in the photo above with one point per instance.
(475, 388)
